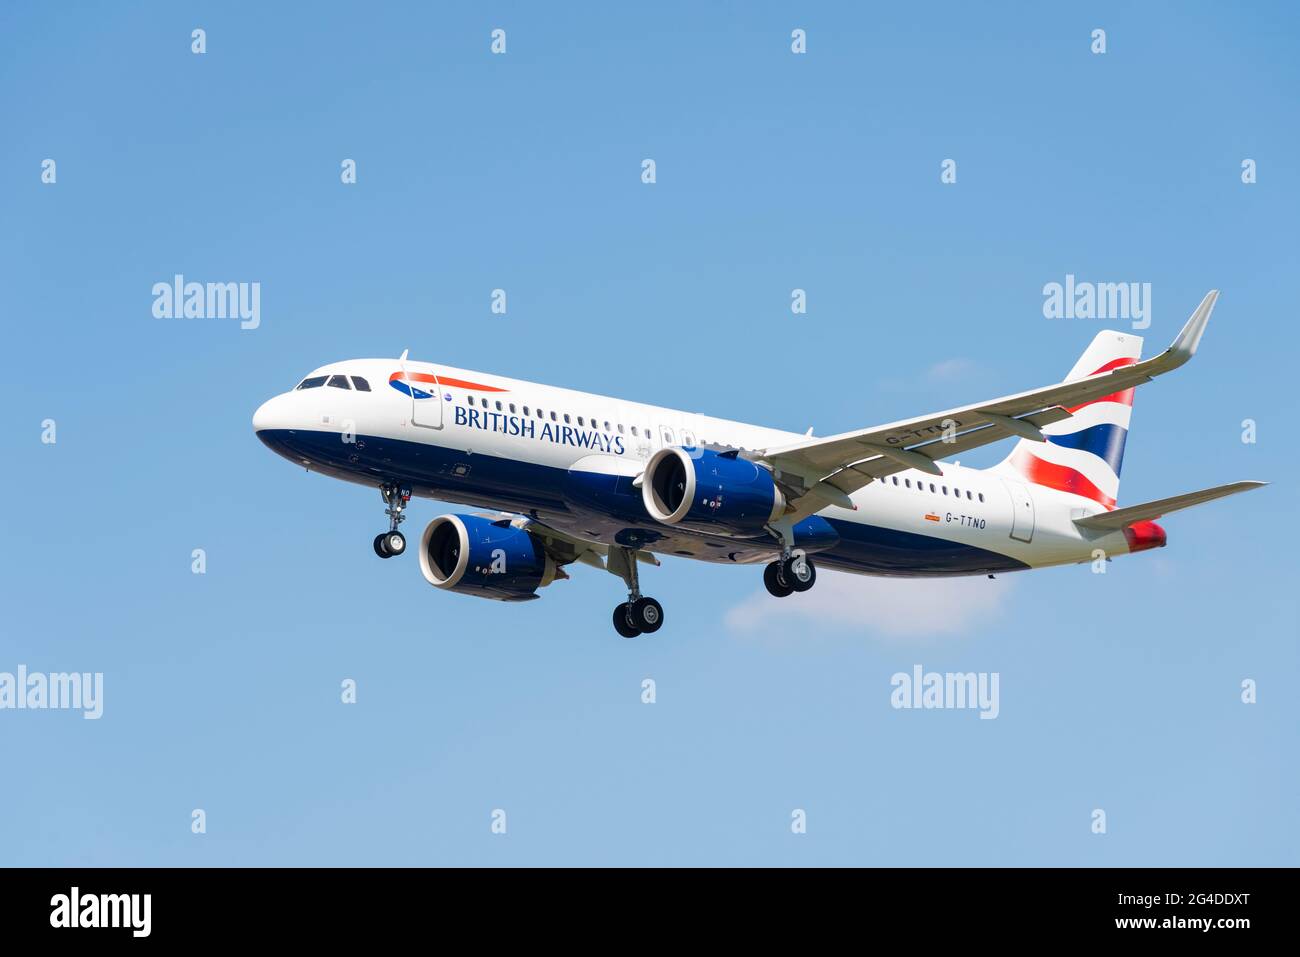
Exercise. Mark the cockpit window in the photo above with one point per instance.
(361, 384)
(315, 382)
(339, 382)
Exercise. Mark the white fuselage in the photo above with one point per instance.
(488, 441)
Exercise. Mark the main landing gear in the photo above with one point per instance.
(789, 575)
(392, 542)
(793, 571)
(638, 615)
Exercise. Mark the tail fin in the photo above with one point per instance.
(1083, 454)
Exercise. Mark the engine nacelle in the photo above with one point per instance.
(707, 491)
(473, 555)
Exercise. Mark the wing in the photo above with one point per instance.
(823, 471)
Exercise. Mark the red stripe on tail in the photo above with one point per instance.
(1060, 477)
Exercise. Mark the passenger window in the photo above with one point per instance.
(932, 491)
(339, 382)
(498, 405)
(361, 384)
(634, 431)
(981, 496)
(907, 482)
(512, 408)
(553, 417)
(620, 428)
(566, 418)
(968, 495)
(945, 490)
(315, 382)
(526, 412)
(580, 420)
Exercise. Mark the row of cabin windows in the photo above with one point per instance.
(361, 385)
(937, 489)
(337, 381)
(568, 419)
(688, 438)
(565, 417)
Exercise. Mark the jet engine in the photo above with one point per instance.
(716, 493)
(474, 555)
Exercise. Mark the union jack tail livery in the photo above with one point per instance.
(1083, 454)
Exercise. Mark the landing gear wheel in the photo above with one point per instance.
(775, 581)
(623, 620)
(647, 615)
(393, 542)
(797, 581)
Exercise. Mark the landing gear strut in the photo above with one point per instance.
(638, 615)
(793, 571)
(392, 542)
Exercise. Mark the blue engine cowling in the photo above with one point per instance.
(473, 555)
(711, 492)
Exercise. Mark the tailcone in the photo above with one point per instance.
(1144, 535)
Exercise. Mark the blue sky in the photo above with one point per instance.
(775, 171)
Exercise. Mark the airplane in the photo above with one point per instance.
(570, 478)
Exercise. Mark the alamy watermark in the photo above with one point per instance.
(70, 691)
(947, 690)
(1130, 301)
(179, 299)
(129, 911)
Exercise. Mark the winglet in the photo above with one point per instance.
(1184, 346)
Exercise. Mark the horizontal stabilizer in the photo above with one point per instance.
(1124, 517)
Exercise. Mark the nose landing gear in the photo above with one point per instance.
(392, 542)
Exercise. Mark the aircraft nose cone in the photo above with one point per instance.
(271, 415)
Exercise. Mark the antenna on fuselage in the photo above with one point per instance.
(402, 357)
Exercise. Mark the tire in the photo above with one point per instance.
(797, 583)
(647, 615)
(380, 550)
(394, 543)
(776, 585)
(621, 623)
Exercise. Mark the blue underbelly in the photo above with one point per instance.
(873, 550)
(488, 481)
